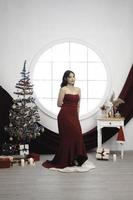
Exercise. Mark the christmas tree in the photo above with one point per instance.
(24, 116)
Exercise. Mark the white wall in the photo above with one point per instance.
(28, 25)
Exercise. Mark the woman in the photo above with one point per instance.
(71, 150)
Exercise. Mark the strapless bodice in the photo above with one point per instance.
(71, 99)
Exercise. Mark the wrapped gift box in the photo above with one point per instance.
(10, 157)
(35, 156)
(5, 163)
(24, 149)
(102, 154)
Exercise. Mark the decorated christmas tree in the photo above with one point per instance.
(24, 116)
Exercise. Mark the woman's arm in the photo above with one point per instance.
(60, 97)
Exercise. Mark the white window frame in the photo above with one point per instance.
(108, 88)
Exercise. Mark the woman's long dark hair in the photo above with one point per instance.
(65, 76)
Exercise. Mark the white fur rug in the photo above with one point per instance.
(87, 165)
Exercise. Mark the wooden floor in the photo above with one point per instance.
(109, 181)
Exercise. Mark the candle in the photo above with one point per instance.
(114, 157)
(22, 162)
(31, 161)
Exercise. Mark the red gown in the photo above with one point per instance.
(71, 150)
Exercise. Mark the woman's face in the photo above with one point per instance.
(71, 79)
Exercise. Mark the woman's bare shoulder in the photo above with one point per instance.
(63, 89)
(77, 89)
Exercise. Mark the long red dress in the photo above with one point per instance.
(71, 150)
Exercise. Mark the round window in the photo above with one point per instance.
(90, 73)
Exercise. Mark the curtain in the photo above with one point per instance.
(5, 106)
(126, 94)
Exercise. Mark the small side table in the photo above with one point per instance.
(109, 122)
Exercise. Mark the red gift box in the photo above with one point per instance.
(5, 163)
(35, 156)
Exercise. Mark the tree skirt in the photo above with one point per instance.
(86, 166)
